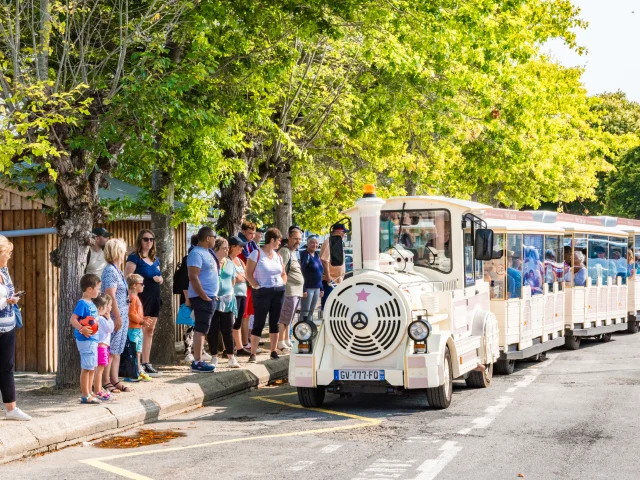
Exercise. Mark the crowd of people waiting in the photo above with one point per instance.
(230, 286)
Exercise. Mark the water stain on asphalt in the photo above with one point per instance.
(140, 439)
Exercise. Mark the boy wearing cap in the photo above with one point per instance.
(95, 257)
(331, 273)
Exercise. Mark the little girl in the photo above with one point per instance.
(105, 329)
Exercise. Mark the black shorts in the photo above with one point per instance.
(150, 299)
(203, 312)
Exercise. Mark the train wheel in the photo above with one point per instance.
(482, 379)
(505, 367)
(440, 397)
(606, 337)
(632, 327)
(311, 397)
(571, 342)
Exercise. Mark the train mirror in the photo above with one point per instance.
(484, 244)
(336, 250)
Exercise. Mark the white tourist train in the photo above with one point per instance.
(444, 289)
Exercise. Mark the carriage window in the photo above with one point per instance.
(514, 266)
(636, 252)
(495, 272)
(567, 252)
(580, 260)
(618, 258)
(469, 277)
(598, 259)
(553, 261)
(533, 267)
(631, 264)
(424, 233)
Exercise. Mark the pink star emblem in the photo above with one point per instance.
(362, 295)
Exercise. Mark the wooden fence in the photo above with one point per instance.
(31, 270)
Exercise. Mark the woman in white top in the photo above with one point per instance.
(8, 300)
(265, 273)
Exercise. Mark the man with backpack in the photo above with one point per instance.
(294, 287)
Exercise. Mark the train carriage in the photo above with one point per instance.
(526, 276)
(596, 280)
(632, 228)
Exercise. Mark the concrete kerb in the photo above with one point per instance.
(59, 431)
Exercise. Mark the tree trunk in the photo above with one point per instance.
(410, 185)
(72, 254)
(163, 348)
(284, 208)
(233, 201)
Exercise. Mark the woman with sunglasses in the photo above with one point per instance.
(144, 262)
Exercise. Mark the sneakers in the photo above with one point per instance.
(205, 356)
(243, 352)
(252, 359)
(233, 363)
(282, 345)
(288, 343)
(149, 370)
(274, 355)
(188, 358)
(144, 377)
(214, 362)
(90, 400)
(202, 367)
(17, 415)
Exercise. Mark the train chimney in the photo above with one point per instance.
(369, 207)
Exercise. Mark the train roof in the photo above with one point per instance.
(414, 203)
(576, 223)
(624, 224)
(515, 221)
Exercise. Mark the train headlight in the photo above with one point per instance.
(305, 330)
(419, 330)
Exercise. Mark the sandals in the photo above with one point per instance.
(122, 387)
(89, 400)
(110, 388)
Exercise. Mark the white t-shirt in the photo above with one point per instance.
(96, 263)
(105, 329)
(268, 272)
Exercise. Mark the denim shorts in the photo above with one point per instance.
(88, 354)
(135, 337)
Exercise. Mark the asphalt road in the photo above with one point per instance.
(574, 416)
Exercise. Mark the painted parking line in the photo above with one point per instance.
(101, 464)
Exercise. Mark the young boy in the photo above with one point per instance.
(86, 340)
(136, 320)
(105, 329)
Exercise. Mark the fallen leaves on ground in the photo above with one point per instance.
(140, 439)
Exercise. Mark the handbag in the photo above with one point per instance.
(129, 361)
(18, 315)
(185, 316)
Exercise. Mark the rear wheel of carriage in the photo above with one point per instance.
(571, 342)
(505, 367)
(482, 379)
(605, 337)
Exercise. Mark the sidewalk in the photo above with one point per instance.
(59, 420)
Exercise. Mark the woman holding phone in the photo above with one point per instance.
(8, 300)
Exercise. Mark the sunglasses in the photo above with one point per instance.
(148, 239)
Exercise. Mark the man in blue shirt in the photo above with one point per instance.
(203, 288)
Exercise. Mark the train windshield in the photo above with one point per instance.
(425, 233)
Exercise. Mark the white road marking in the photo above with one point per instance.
(385, 469)
(301, 465)
(432, 467)
(330, 448)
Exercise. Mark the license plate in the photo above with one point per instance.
(373, 375)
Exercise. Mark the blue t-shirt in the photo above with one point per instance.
(312, 269)
(143, 268)
(201, 258)
(85, 309)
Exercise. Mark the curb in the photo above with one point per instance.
(58, 431)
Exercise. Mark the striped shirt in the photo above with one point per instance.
(7, 313)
